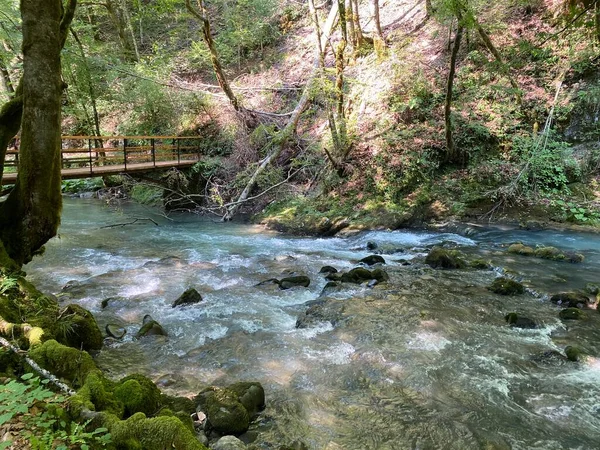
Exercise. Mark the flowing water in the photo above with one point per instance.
(425, 361)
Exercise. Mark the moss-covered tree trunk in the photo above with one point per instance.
(5, 78)
(117, 10)
(31, 214)
(451, 153)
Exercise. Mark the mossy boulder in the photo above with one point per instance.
(372, 260)
(592, 288)
(480, 264)
(115, 331)
(80, 330)
(225, 413)
(250, 394)
(150, 327)
(380, 275)
(65, 362)
(190, 297)
(157, 433)
(178, 404)
(506, 286)
(572, 300)
(291, 282)
(441, 258)
(572, 314)
(96, 395)
(356, 276)
(516, 321)
(328, 269)
(520, 249)
(555, 254)
(138, 394)
(575, 354)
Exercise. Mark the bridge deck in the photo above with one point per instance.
(116, 154)
(85, 172)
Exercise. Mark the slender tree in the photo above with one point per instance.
(451, 153)
(30, 215)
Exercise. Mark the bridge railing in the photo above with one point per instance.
(80, 152)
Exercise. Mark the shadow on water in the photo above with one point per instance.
(425, 361)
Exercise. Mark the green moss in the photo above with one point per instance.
(138, 394)
(157, 433)
(97, 395)
(440, 258)
(506, 286)
(574, 354)
(177, 404)
(480, 264)
(79, 329)
(551, 253)
(520, 249)
(224, 412)
(250, 394)
(572, 314)
(64, 362)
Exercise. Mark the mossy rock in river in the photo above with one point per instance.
(554, 254)
(506, 286)
(138, 394)
(96, 395)
(441, 258)
(250, 394)
(190, 297)
(80, 329)
(356, 276)
(372, 260)
(575, 354)
(290, 282)
(150, 327)
(516, 321)
(520, 249)
(157, 433)
(572, 314)
(65, 362)
(572, 300)
(225, 413)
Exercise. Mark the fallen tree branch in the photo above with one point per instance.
(43, 372)
(134, 221)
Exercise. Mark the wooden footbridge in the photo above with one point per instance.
(96, 156)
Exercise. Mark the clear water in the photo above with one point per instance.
(423, 362)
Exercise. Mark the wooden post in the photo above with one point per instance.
(125, 152)
(153, 152)
(90, 151)
(178, 151)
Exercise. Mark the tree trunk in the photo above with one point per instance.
(360, 39)
(91, 90)
(282, 137)
(31, 214)
(378, 39)
(350, 23)
(494, 51)
(117, 10)
(429, 9)
(5, 77)
(451, 155)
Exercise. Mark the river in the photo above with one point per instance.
(425, 361)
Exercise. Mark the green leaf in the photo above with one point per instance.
(27, 376)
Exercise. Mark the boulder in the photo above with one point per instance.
(330, 287)
(290, 282)
(328, 269)
(520, 249)
(150, 327)
(572, 314)
(515, 321)
(229, 443)
(555, 254)
(372, 260)
(571, 300)
(138, 394)
(380, 275)
(250, 394)
(224, 412)
(592, 288)
(506, 286)
(190, 297)
(371, 245)
(480, 264)
(357, 276)
(81, 329)
(441, 258)
(575, 354)
(115, 331)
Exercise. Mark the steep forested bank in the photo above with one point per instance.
(371, 132)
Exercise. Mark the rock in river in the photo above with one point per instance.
(190, 297)
(506, 286)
